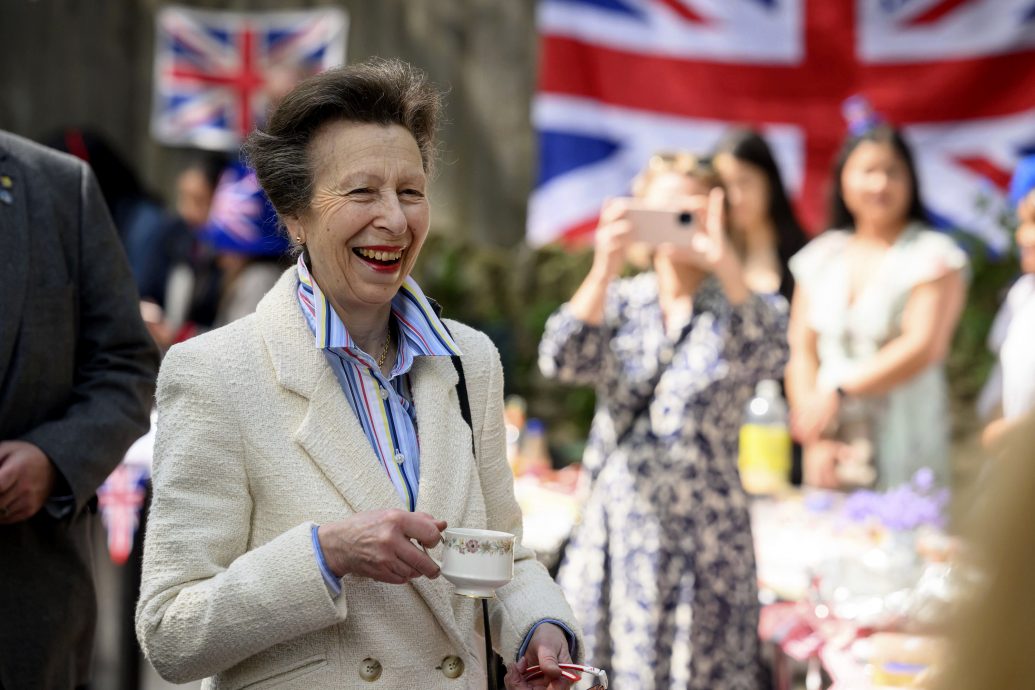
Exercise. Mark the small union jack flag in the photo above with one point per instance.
(215, 71)
(121, 499)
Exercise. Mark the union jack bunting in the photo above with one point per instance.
(620, 79)
(120, 500)
(214, 70)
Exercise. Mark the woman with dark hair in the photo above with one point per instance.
(876, 303)
(762, 221)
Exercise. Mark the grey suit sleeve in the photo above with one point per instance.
(116, 359)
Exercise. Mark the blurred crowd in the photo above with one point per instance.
(205, 260)
(855, 323)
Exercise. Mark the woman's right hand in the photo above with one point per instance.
(377, 544)
(819, 464)
(613, 237)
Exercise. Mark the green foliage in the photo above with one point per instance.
(509, 294)
(970, 360)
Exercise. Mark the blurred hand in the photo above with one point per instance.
(708, 249)
(810, 419)
(819, 460)
(612, 240)
(376, 544)
(994, 432)
(547, 648)
(26, 480)
(515, 678)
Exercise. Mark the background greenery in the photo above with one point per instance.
(510, 292)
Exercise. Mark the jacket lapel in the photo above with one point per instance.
(445, 440)
(14, 259)
(334, 439)
(332, 436)
(330, 433)
(445, 467)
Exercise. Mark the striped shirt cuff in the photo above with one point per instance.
(573, 643)
(329, 578)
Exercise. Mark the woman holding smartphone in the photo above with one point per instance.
(661, 571)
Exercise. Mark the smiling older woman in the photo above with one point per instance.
(290, 485)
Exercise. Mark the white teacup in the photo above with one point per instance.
(477, 561)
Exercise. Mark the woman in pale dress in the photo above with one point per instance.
(877, 300)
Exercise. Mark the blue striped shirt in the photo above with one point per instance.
(383, 405)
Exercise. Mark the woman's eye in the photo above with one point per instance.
(361, 190)
(415, 193)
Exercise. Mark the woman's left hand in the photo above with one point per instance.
(515, 678)
(547, 648)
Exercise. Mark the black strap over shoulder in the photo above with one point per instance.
(461, 384)
(461, 393)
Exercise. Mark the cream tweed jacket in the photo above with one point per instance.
(256, 443)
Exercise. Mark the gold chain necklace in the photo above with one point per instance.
(384, 350)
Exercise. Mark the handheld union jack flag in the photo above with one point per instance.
(120, 500)
(620, 79)
(215, 71)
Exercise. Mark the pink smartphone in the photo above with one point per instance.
(655, 226)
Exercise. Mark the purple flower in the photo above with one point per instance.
(901, 508)
(923, 480)
(862, 505)
(819, 501)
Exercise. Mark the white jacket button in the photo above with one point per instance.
(452, 667)
(370, 669)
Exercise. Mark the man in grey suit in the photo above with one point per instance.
(77, 373)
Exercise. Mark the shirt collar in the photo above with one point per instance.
(423, 333)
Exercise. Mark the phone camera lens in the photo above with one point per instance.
(686, 218)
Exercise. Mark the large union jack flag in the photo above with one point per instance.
(215, 71)
(620, 79)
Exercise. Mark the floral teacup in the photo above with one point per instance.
(477, 561)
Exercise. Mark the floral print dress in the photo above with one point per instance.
(661, 571)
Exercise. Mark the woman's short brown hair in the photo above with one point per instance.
(377, 91)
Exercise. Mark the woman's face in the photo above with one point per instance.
(193, 197)
(1026, 233)
(747, 192)
(876, 185)
(368, 216)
